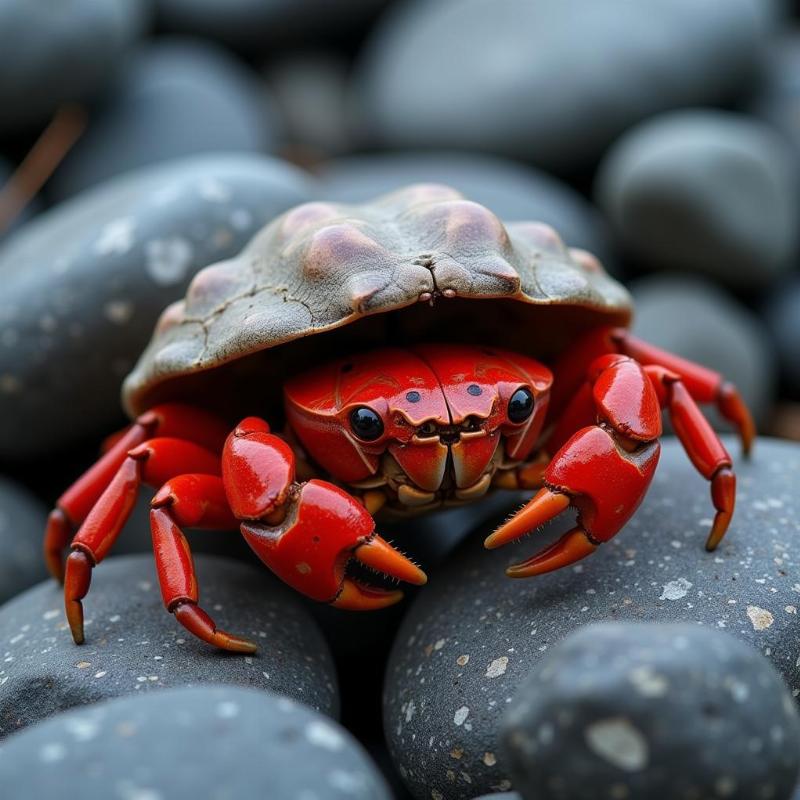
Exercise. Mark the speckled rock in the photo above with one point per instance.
(473, 635)
(255, 25)
(55, 53)
(705, 191)
(673, 711)
(133, 645)
(174, 98)
(524, 79)
(700, 321)
(513, 191)
(84, 283)
(781, 312)
(22, 520)
(213, 742)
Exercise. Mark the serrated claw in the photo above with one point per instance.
(378, 554)
(545, 505)
(355, 596)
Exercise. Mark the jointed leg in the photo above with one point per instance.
(153, 463)
(169, 420)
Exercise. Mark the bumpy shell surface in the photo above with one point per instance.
(414, 257)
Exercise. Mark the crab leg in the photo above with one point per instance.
(153, 462)
(171, 420)
(306, 532)
(192, 501)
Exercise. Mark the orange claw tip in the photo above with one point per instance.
(358, 597)
(377, 553)
(571, 547)
(544, 506)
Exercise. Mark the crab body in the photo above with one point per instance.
(540, 387)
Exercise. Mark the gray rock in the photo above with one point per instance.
(675, 711)
(554, 81)
(174, 98)
(255, 25)
(473, 635)
(697, 320)
(134, 646)
(213, 742)
(22, 521)
(781, 312)
(705, 191)
(84, 283)
(513, 191)
(56, 53)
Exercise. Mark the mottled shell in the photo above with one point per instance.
(406, 266)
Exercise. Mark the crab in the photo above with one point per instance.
(388, 359)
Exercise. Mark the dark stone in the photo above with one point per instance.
(781, 312)
(697, 320)
(473, 635)
(84, 283)
(210, 741)
(512, 191)
(56, 53)
(649, 710)
(173, 98)
(554, 81)
(261, 26)
(705, 191)
(133, 645)
(22, 521)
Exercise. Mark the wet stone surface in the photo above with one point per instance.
(648, 710)
(175, 98)
(473, 634)
(727, 182)
(51, 54)
(134, 646)
(84, 283)
(555, 81)
(22, 521)
(215, 742)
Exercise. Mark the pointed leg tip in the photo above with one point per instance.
(235, 644)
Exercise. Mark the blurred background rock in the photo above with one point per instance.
(143, 139)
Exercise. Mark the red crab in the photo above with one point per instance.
(397, 429)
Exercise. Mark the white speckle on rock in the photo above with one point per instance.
(617, 741)
(411, 709)
(81, 728)
(675, 590)
(497, 667)
(324, 735)
(460, 716)
(116, 237)
(760, 618)
(214, 190)
(167, 261)
(439, 644)
(54, 751)
(647, 682)
(227, 709)
(118, 311)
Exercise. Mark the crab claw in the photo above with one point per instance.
(323, 529)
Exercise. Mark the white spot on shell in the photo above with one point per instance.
(324, 735)
(497, 667)
(675, 590)
(760, 618)
(619, 742)
(167, 260)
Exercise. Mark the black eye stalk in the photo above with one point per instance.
(366, 424)
(520, 406)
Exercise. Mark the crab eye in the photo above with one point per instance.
(520, 406)
(366, 424)
(427, 429)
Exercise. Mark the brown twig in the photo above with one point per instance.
(40, 163)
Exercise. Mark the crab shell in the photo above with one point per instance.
(407, 267)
